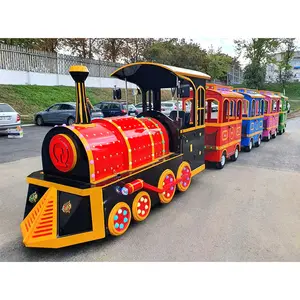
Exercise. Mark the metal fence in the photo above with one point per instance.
(21, 59)
(235, 75)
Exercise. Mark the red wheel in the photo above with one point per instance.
(141, 206)
(166, 178)
(119, 219)
(184, 172)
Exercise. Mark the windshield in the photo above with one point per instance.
(6, 108)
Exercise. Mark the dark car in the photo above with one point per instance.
(113, 109)
(62, 113)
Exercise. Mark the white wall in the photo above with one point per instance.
(31, 78)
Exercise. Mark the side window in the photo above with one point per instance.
(256, 108)
(65, 107)
(225, 111)
(239, 109)
(266, 106)
(232, 108)
(114, 106)
(201, 107)
(105, 106)
(54, 107)
(253, 108)
(245, 107)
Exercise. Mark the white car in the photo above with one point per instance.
(9, 118)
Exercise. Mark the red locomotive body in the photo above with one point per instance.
(222, 129)
(115, 145)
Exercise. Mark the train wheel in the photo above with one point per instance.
(257, 144)
(141, 206)
(119, 219)
(275, 134)
(222, 162)
(249, 148)
(235, 156)
(166, 178)
(184, 170)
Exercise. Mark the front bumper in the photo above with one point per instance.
(59, 215)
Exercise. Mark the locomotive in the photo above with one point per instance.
(99, 176)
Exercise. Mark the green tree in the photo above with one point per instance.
(178, 53)
(218, 64)
(111, 49)
(260, 52)
(284, 68)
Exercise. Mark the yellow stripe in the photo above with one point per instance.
(275, 126)
(84, 101)
(89, 154)
(272, 114)
(162, 135)
(224, 146)
(150, 135)
(142, 169)
(60, 187)
(198, 170)
(252, 134)
(192, 128)
(80, 102)
(223, 124)
(126, 141)
(253, 118)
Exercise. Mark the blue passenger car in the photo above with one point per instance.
(252, 116)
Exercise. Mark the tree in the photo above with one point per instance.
(284, 68)
(84, 48)
(111, 49)
(260, 52)
(218, 64)
(178, 53)
(48, 45)
(134, 49)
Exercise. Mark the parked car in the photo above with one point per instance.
(132, 111)
(168, 106)
(113, 109)
(62, 113)
(9, 118)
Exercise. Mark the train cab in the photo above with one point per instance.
(271, 114)
(222, 127)
(283, 109)
(252, 118)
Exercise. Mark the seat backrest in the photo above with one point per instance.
(182, 115)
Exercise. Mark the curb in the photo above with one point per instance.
(27, 125)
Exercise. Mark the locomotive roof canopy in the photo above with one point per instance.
(149, 75)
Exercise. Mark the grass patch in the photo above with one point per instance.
(29, 99)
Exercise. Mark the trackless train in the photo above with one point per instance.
(99, 176)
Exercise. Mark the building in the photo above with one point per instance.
(272, 69)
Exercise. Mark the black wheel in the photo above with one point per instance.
(70, 121)
(283, 130)
(280, 132)
(275, 134)
(268, 137)
(222, 162)
(39, 121)
(235, 156)
(249, 148)
(257, 144)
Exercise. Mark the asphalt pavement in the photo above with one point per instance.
(249, 211)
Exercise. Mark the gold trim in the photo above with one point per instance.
(180, 74)
(198, 170)
(78, 69)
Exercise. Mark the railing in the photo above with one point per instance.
(20, 59)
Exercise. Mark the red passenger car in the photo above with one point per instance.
(222, 128)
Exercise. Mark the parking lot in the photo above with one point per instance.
(249, 211)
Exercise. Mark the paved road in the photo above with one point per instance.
(29, 146)
(249, 211)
